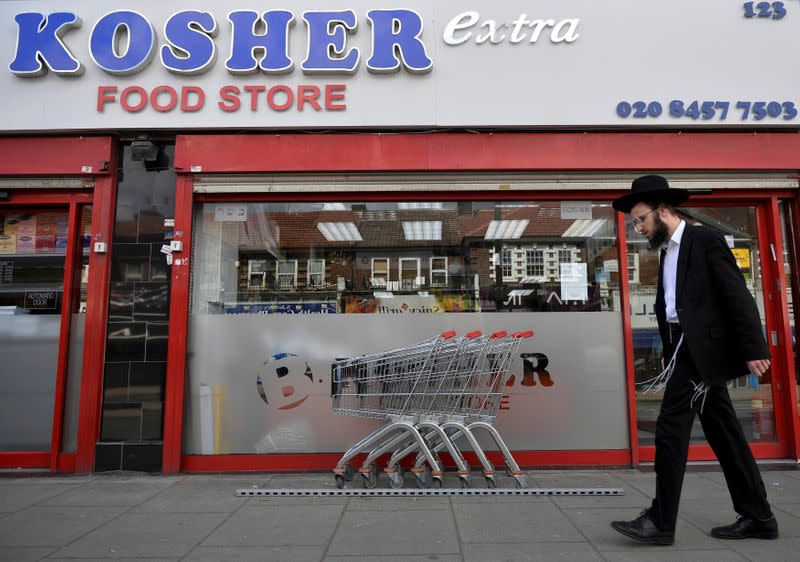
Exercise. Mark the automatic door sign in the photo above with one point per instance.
(40, 300)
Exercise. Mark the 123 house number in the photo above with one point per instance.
(773, 10)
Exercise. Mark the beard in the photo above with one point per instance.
(659, 234)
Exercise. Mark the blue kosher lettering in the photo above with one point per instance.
(39, 41)
(272, 46)
(141, 42)
(326, 37)
(191, 48)
(397, 32)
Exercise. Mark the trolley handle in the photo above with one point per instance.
(497, 335)
(473, 335)
(523, 335)
(448, 335)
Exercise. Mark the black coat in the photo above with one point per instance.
(719, 317)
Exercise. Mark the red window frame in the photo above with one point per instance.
(618, 152)
(94, 159)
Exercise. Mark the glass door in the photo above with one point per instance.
(791, 263)
(35, 281)
(753, 397)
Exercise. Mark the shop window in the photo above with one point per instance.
(410, 278)
(439, 272)
(534, 263)
(505, 262)
(256, 274)
(341, 279)
(380, 272)
(633, 268)
(316, 274)
(286, 275)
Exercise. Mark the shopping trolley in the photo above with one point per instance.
(475, 391)
(422, 391)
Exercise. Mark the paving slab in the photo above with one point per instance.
(23, 554)
(782, 486)
(27, 493)
(194, 497)
(387, 558)
(239, 480)
(115, 559)
(47, 478)
(145, 535)
(780, 550)
(706, 514)
(792, 509)
(595, 526)
(285, 525)
(398, 504)
(302, 481)
(655, 554)
(108, 494)
(53, 526)
(297, 501)
(514, 522)
(533, 552)
(256, 554)
(382, 533)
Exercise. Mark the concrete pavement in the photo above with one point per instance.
(199, 517)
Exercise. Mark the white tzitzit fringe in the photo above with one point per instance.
(699, 390)
(662, 379)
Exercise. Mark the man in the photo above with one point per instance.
(711, 333)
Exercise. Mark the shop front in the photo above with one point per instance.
(278, 189)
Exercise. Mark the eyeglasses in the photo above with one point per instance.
(640, 219)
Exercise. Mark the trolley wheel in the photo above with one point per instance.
(398, 481)
(371, 477)
(348, 476)
(424, 479)
(490, 483)
(437, 483)
(339, 481)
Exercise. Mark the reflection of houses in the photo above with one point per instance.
(318, 252)
(531, 241)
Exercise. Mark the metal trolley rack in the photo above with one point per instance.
(432, 395)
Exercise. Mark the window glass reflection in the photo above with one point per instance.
(403, 257)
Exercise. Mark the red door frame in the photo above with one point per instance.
(452, 152)
(794, 261)
(776, 315)
(93, 159)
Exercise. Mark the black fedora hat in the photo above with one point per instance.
(650, 188)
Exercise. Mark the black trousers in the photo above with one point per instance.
(723, 432)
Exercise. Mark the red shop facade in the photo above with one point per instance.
(509, 171)
(189, 242)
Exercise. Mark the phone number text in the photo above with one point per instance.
(709, 110)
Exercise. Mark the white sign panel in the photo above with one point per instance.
(82, 65)
(576, 210)
(573, 282)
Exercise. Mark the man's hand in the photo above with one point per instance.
(758, 367)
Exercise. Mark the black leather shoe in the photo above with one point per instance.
(643, 529)
(746, 528)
